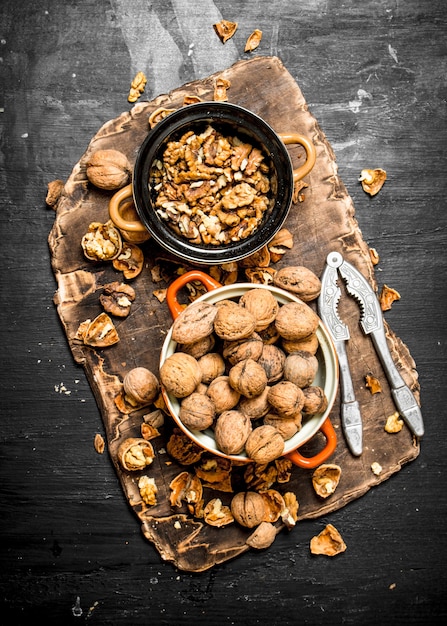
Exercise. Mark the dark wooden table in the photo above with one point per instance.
(374, 75)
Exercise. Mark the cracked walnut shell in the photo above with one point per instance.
(262, 537)
(102, 242)
(217, 514)
(329, 542)
(117, 298)
(135, 454)
(325, 479)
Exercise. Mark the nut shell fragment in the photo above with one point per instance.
(99, 333)
(325, 479)
(372, 180)
(387, 296)
(253, 40)
(262, 537)
(135, 454)
(329, 542)
(225, 29)
(220, 89)
(130, 260)
(99, 443)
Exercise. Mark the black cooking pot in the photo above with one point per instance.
(230, 120)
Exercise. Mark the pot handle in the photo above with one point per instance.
(310, 462)
(115, 215)
(311, 154)
(171, 295)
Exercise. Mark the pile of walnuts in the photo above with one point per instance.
(244, 371)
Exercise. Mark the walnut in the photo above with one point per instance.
(248, 348)
(222, 394)
(262, 537)
(372, 180)
(135, 454)
(255, 407)
(248, 378)
(186, 487)
(180, 374)
(286, 398)
(215, 472)
(301, 368)
(234, 322)
(99, 443)
(270, 335)
(102, 242)
(137, 87)
(248, 508)
(393, 423)
(253, 40)
(387, 296)
(299, 280)
(194, 323)
(315, 400)
(225, 29)
(281, 242)
(117, 298)
(197, 411)
(148, 490)
(140, 386)
(183, 449)
(373, 384)
(212, 365)
(286, 426)
(264, 444)
(130, 260)
(108, 169)
(259, 476)
(217, 514)
(296, 320)
(54, 192)
(329, 542)
(99, 333)
(325, 479)
(272, 360)
(290, 514)
(158, 115)
(263, 304)
(231, 431)
(220, 89)
(309, 344)
(274, 504)
(260, 275)
(198, 348)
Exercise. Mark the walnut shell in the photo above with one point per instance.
(329, 542)
(264, 444)
(180, 374)
(248, 508)
(108, 169)
(286, 398)
(135, 454)
(296, 320)
(325, 479)
(234, 322)
(222, 394)
(198, 348)
(248, 348)
(130, 260)
(99, 333)
(117, 298)
(262, 537)
(231, 431)
(309, 344)
(286, 426)
(194, 323)
(255, 407)
(217, 514)
(272, 360)
(197, 411)
(102, 242)
(299, 280)
(263, 304)
(212, 365)
(141, 385)
(248, 378)
(315, 400)
(301, 368)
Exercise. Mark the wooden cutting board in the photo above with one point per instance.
(324, 221)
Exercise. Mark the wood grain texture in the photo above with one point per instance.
(65, 71)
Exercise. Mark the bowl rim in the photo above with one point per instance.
(250, 124)
(326, 355)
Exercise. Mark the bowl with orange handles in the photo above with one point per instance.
(326, 377)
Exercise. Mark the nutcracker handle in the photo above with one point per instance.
(174, 305)
(310, 462)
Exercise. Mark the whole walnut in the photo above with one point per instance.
(180, 374)
(231, 431)
(315, 400)
(256, 407)
(248, 348)
(234, 322)
(222, 394)
(296, 320)
(286, 398)
(140, 385)
(248, 508)
(309, 344)
(301, 368)
(272, 360)
(286, 426)
(248, 378)
(194, 323)
(197, 411)
(108, 169)
(212, 365)
(264, 444)
(263, 304)
(299, 280)
(198, 348)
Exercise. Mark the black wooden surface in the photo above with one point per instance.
(374, 75)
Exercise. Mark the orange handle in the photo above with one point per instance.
(331, 442)
(311, 154)
(171, 295)
(115, 215)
